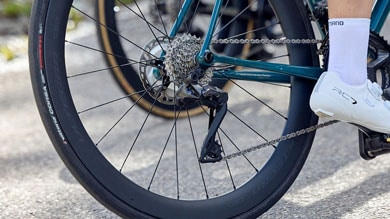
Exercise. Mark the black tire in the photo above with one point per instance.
(127, 190)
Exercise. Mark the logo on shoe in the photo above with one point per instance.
(344, 95)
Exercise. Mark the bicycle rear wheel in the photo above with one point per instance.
(139, 165)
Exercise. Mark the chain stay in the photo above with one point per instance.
(280, 139)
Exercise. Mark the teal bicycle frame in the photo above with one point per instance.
(267, 72)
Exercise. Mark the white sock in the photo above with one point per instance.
(348, 48)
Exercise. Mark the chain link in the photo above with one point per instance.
(278, 140)
(266, 41)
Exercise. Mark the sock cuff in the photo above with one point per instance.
(348, 43)
(349, 21)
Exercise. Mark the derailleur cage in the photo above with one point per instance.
(216, 100)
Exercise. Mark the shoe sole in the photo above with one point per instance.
(329, 115)
(323, 113)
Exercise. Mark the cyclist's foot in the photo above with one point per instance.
(362, 105)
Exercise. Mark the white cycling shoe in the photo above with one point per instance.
(362, 105)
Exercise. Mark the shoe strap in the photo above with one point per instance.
(375, 90)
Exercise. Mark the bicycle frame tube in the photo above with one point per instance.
(275, 69)
(379, 15)
(180, 17)
(209, 35)
(269, 72)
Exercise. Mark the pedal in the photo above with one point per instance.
(373, 144)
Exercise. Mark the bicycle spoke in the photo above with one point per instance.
(252, 31)
(222, 12)
(138, 134)
(238, 149)
(189, 26)
(69, 76)
(253, 96)
(162, 153)
(248, 126)
(103, 52)
(120, 119)
(176, 151)
(272, 58)
(97, 70)
(143, 18)
(227, 164)
(235, 17)
(197, 154)
(148, 24)
(115, 100)
(112, 31)
(161, 19)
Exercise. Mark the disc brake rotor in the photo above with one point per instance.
(152, 74)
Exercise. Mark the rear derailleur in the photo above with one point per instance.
(216, 99)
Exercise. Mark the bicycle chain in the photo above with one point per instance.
(266, 41)
(278, 140)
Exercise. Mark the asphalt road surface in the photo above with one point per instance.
(334, 183)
